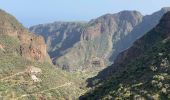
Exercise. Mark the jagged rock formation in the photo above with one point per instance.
(76, 46)
(140, 72)
(33, 47)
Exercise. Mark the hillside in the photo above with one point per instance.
(77, 46)
(26, 72)
(140, 72)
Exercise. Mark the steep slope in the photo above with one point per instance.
(25, 69)
(31, 46)
(140, 72)
(148, 22)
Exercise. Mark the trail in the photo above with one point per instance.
(5, 78)
(25, 95)
(66, 84)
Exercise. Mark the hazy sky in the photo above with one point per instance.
(31, 12)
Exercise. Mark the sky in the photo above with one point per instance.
(32, 12)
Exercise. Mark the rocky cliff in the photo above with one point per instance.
(59, 36)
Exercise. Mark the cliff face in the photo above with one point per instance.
(59, 36)
(31, 47)
(140, 72)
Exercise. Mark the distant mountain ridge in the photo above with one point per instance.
(95, 44)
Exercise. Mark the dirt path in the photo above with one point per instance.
(66, 84)
(25, 95)
(5, 78)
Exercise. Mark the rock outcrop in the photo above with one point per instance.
(32, 46)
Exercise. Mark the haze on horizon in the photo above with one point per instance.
(32, 12)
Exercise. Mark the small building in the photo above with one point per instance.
(35, 79)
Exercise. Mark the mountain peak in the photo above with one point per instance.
(129, 12)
